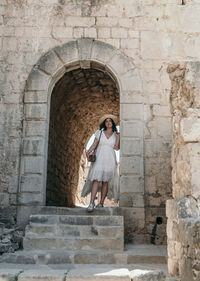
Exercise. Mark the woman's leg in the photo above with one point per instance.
(104, 191)
(94, 191)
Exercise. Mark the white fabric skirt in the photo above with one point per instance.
(104, 169)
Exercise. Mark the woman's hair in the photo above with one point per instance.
(103, 125)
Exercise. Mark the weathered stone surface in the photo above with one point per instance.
(132, 165)
(57, 275)
(131, 184)
(37, 80)
(132, 129)
(183, 223)
(190, 129)
(31, 183)
(9, 274)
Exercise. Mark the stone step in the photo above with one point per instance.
(76, 220)
(85, 273)
(66, 232)
(74, 231)
(133, 254)
(78, 243)
(106, 211)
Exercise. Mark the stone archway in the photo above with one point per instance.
(78, 100)
(40, 83)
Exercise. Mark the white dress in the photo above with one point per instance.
(104, 168)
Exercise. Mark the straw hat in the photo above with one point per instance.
(113, 117)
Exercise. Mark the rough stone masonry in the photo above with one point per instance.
(130, 44)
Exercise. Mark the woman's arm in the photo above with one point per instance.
(92, 147)
(116, 147)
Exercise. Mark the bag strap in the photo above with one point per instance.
(98, 141)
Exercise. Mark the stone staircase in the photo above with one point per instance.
(60, 237)
(65, 232)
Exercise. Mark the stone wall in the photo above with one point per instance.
(151, 33)
(183, 224)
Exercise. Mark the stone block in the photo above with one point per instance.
(131, 81)
(9, 274)
(85, 220)
(97, 244)
(35, 128)
(132, 111)
(119, 32)
(181, 209)
(132, 128)
(68, 52)
(107, 21)
(4, 199)
(33, 147)
(187, 166)
(90, 32)
(85, 48)
(190, 129)
(103, 32)
(120, 64)
(44, 219)
(9, 44)
(37, 80)
(34, 164)
(158, 40)
(173, 266)
(97, 273)
(131, 165)
(42, 275)
(172, 230)
(134, 220)
(132, 200)
(131, 147)
(132, 97)
(78, 32)
(50, 63)
(36, 111)
(30, 198)
(60, 32)
(131, 184)
(31, 184)
(130, 43)
(79, 21)
(185, 268)
(101, 51)
(111, 232)
(161, 110)
(35, 97)
(108, 221)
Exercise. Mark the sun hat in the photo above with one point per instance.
(111, 116)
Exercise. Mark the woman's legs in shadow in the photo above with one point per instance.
(94, 191)
(104, 191)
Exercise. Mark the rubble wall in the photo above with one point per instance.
(183, 211)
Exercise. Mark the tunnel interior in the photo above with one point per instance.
(78, 100)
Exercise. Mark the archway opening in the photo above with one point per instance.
(78, 100)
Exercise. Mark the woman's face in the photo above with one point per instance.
(108, 123)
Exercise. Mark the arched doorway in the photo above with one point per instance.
(83, 54)
(78, 100)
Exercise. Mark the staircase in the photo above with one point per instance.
(70, 244)
(72, 236)
(72, 233)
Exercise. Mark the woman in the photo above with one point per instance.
(103, 174)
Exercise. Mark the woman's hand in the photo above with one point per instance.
(116, 147)
(88, 153)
